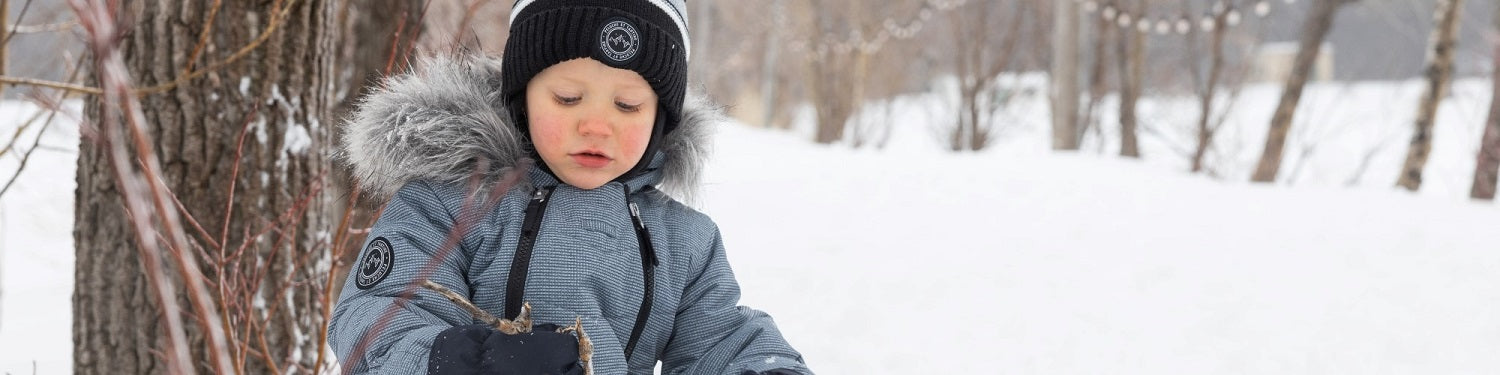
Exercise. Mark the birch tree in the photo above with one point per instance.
(1488, 166)
(1439, 73)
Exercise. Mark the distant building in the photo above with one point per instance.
(1273, 63)
(1385, 39)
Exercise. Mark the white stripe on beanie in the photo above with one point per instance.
(671, 9)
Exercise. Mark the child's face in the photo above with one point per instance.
(589, 122)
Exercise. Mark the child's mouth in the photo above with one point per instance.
(590, 159)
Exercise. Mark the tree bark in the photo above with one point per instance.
(1065, 76)
(4, 34)
(1439, 73)
(1132, 69)
(1487, 168)
(1319, 21)
(284, 90)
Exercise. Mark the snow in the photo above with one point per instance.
(296, 140)
(36, 246)
(1057, 264)
(911, 259)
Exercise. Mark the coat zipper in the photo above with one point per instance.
(515, 287)
(648, 270)
(521, 263)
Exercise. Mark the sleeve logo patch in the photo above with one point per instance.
(376, 265)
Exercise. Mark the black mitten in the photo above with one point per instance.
(480, 349)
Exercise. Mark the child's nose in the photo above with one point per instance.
(594, 126)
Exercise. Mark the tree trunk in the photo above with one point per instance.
(1488, 167)
(4, 33)
(1065, 76)
(1098, 80)
(1210, 89)
(1319, 21)
(1132, 68)
(283, 89)
(1439, 73)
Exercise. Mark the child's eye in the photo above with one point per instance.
(627, 107)
(568, 100)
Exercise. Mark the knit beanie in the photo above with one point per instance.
(649, 37)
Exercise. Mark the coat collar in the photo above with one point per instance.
(446, 121)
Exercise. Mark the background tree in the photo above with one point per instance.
(1207, 82)
(986, 37)
(1101, 38)
(1488, 166)
(237, 97)
(1439, 73)
(1132, 62)
(1065, 132)
(1319, 21)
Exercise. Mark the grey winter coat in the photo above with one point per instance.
(439, 143)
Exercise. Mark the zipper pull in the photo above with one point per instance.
(643, 235)
(635, 216)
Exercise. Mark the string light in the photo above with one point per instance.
(856, 41)
(1145, 24)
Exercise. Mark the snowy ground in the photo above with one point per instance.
(36, 246)
(1018, 260)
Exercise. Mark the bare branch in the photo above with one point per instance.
(473, 204)
(27, 156)
(208, 26)
(43, 28)
(18, 81)
(103, 36)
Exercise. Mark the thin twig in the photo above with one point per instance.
(50, 84)
(43, 28)
(470, 208)
(334, 254)
(194, 222)
(103, 34)
(478, 313)
(21, 17)
(20, 131)
(463, 24)
(416, 34)
(27, 156)
(234, 175)
(396, 42)
(208, 26)
(276, 21)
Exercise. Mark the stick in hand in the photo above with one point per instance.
(522, 323)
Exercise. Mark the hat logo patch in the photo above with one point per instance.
(619, 40)
(376, 265)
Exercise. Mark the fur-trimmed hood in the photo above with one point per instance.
(446, 118)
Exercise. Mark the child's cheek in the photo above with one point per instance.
(635, 141)
(546, 133)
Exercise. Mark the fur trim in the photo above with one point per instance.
(446, 121)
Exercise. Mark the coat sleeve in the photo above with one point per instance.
(404, 242)
(714, 335)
